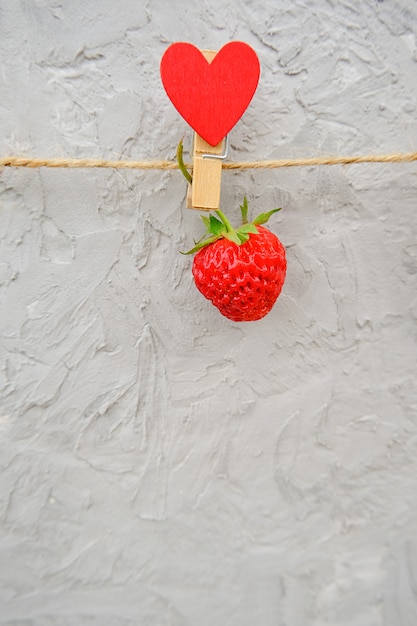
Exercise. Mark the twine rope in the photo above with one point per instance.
(16, 161)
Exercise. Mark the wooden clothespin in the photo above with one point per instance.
(211, 90)
(204, 192)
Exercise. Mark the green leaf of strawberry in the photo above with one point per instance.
(248, 228)
(216, 226)
(206, 221)
(264, 217)
(219, 227)
(235, 237)
(202, 244)
(244, 210)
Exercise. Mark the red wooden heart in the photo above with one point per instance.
(211, 97)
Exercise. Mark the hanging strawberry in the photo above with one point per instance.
(241, 270)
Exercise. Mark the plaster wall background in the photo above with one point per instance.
(160, 464)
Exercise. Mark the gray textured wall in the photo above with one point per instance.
(160, 464)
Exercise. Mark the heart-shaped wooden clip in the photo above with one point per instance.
(211, 90)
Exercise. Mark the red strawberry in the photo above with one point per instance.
(241, 271)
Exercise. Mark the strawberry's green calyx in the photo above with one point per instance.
(219, 227)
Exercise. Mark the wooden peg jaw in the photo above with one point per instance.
(204, 192)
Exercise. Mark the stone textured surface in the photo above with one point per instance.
(160, 464)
